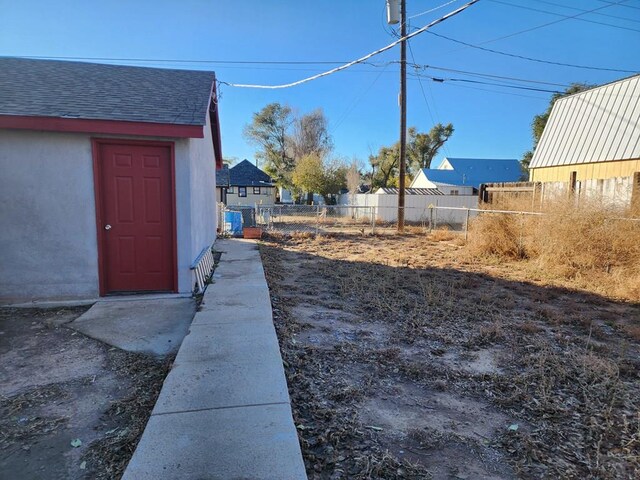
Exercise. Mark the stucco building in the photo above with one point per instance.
(107, 178)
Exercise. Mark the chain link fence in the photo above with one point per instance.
(323, 219)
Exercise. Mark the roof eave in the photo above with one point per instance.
(112, 127)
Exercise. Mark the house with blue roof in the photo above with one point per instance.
(463, 176)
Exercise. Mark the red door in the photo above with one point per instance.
(135, 218)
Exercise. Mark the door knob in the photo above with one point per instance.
(107, 227)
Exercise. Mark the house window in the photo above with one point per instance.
(231, 190)
(454, 192)
(256, 190)
(242, 191)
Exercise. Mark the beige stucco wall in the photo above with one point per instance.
(48, 246)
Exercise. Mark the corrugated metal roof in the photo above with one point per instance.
(598, 125)
(474, 171)
(51, 88)
(411, 191)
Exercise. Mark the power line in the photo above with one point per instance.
(488, 75)
(565, 17)
(177, 60)
(431, 10)
(480, 82)
(531, 59)
(362, 59)
(600, 14)
(554, 22)
(619, 4)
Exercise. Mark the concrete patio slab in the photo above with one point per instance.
(155, 326)
(232, 443)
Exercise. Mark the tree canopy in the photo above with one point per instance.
(423, 147)
(269, 130)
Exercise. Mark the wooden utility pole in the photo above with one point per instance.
(403, 113)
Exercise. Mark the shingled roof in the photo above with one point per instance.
(47, 88)
(246, 174)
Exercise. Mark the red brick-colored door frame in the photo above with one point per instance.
(97, 185)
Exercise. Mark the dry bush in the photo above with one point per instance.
(442, 234)
(590, 243)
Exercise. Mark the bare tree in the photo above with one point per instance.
(311, 135)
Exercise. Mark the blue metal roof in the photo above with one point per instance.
(474, 171)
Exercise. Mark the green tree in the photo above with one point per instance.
(335, 179)
(269, 130)
(309, 176)
(385, 167)
(540, 121)
(423, 147)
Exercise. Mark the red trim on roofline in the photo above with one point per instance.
(114, 127)
(214, 121)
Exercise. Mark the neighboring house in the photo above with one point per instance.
(591, 143)
(463, 176)
(245, 184)
(107, 182)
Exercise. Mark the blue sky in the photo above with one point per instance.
(360, 103)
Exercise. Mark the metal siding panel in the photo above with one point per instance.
(545, 148)
(581, 113)
(603, 105)
(561, 132)
(622, 121)
(614, 104)
(631, 148)
(591, 97)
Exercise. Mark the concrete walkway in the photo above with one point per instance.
(224, 411)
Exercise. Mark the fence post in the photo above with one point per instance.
(430, 218)
(373, 220)
(317, 219)
(466, 227)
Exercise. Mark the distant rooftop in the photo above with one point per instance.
(247, 174)
(474, 171)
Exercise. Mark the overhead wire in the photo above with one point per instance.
(574, 17)
(600, 14)
(362, 59)
(531, 59)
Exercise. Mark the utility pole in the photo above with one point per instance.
(403, 113)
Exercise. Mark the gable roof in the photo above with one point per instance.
(474, 171)
(246, 174)
(222, 176)
(48, 88)
(597, 125)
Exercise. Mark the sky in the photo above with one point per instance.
(361, 103)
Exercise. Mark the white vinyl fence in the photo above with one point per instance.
(417, 207)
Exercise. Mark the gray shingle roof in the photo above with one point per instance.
(93, 91)
(247, 174)
(222, 176)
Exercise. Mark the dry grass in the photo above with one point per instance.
(566, 362)
(442, 234)
(595, 246)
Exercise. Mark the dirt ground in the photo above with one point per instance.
(407, 359)
(70, 407)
